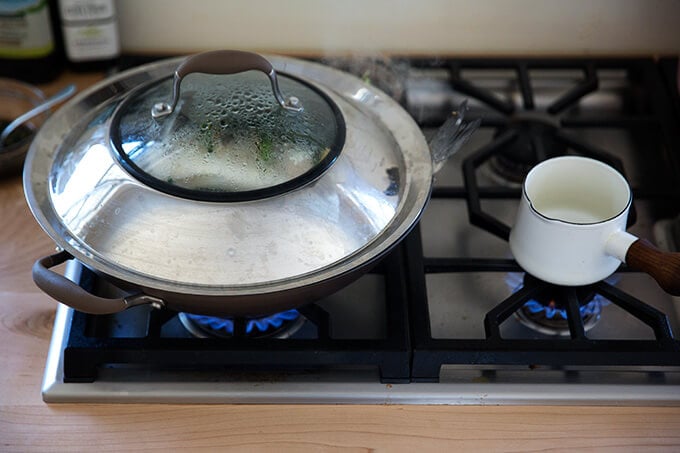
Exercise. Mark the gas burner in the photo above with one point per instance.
(547, 313)
(551, 319)
(279, 325)
(535, 140)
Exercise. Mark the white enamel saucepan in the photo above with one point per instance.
(571, 226)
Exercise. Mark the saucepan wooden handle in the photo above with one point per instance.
(664, 267)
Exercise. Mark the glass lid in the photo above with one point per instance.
(227, 137)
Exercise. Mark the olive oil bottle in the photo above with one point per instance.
(30, 44)
(90, 30)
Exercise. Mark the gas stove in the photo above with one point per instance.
(448, 317)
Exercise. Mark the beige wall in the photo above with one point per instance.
(410, 26)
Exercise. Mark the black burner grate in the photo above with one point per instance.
(431, 354)
(90, 344)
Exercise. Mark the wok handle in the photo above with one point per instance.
(67, 292)
(224, 62)
(664, 267)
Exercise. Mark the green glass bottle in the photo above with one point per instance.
(30, 40)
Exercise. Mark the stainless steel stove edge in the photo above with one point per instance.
(54, 390)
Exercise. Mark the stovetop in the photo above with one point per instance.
(448, 317)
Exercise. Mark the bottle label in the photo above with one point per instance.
(91, 42)
(90, 30)
(86, 10)
(25, 30)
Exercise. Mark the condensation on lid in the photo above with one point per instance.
(228, 139)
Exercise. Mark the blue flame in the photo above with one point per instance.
(594, 307)
(262, 325)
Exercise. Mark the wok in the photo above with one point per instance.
(123, 179)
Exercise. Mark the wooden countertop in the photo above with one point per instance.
(26, 423)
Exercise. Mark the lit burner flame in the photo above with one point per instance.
(551, 317)
(254, 326)
(594, 307)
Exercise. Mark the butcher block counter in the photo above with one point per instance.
(27, 423)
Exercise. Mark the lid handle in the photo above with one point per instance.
(224, 62)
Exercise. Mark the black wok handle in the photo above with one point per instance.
(224, 62)
(67, 292)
